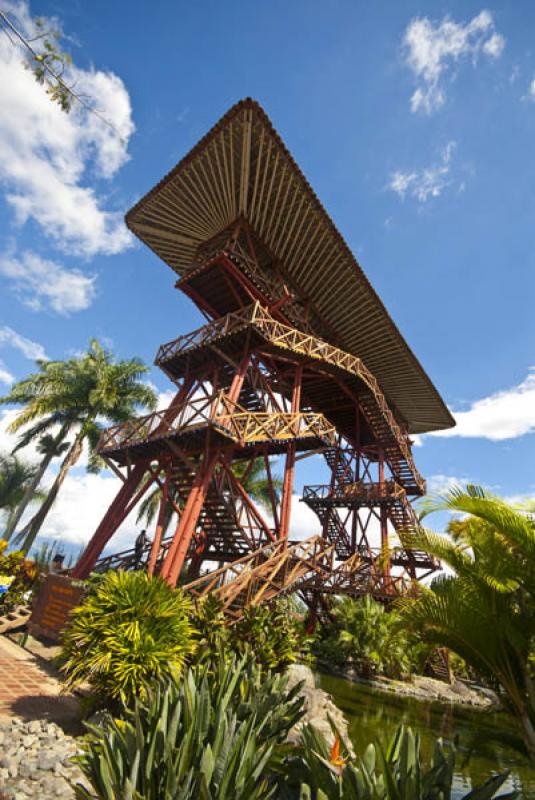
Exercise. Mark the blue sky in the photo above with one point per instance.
(415, 124)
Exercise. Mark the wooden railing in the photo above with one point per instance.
(266, 573)
(365, 492)
(231, 419)
(286, 337)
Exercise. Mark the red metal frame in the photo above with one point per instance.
(271, 379)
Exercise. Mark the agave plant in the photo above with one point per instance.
(321, 772)
(214, 735)
(129, 629)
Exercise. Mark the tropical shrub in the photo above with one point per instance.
(216, 734)
(485, 610)
(366, 636)
(130, 628)
(211, 629)
(273, 634)
(17, 572)
(320, 772)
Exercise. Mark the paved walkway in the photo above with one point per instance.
(29, 690)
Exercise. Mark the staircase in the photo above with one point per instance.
(267, 573)
(398, 459)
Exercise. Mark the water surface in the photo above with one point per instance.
(375, 715)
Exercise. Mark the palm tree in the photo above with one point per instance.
(49, 447)
(15, 478)
(371, 637)
(90, 390)
(254, 479)
(485, 611)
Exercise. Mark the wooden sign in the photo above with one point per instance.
(57, 597)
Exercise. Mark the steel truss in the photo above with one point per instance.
(261, 380)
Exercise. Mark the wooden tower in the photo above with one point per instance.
(298, 356)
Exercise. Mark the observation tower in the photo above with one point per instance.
(298, 357)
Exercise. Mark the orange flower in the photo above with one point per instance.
(336, 759)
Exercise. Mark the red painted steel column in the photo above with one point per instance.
(384, 520)
(289, 469)
(155, 549)
(176, 555)
(237, 381)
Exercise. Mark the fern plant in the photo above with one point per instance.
(214, 735)
(129, 629)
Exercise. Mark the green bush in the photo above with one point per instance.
(19, 573)
(367, 637)
(320, 772)
(273, 634)
(130, 628)
(215, 735)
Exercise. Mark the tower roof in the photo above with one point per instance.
(242, 169)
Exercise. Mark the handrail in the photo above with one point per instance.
(228, 416)
(358, 490)
(284, 336)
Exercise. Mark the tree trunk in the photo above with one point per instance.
(34, 526)
(14, 518)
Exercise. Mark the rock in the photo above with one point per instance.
(35, 761)
(318, 706)
(35, 727)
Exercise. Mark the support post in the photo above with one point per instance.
(384, 521)
(289, 469)
(113, 517)
(156, 544)
(176, 554)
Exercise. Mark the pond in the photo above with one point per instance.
(375, 716)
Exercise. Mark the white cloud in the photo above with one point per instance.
(42, 283)
(432, 49)
(304, 523)
(28, 348)
(48, 157)
(426, 183)
(531, 91)
(81, 504)
(9, 440)
(506, 414)
(5, 375)
(438, 484)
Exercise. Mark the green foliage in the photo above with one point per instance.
(48, 65)
(212, 631)
(217, 735)
(19, 572)
(367, 636)
(130, 628)
(15, 476)
(85, 393)
(485, 611)
(394, 773)
(272, 632)
(254, 480)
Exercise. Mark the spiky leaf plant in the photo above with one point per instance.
(129, 629)
(212, 736)
(396, 773)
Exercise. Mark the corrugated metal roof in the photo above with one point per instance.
(242, 168)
